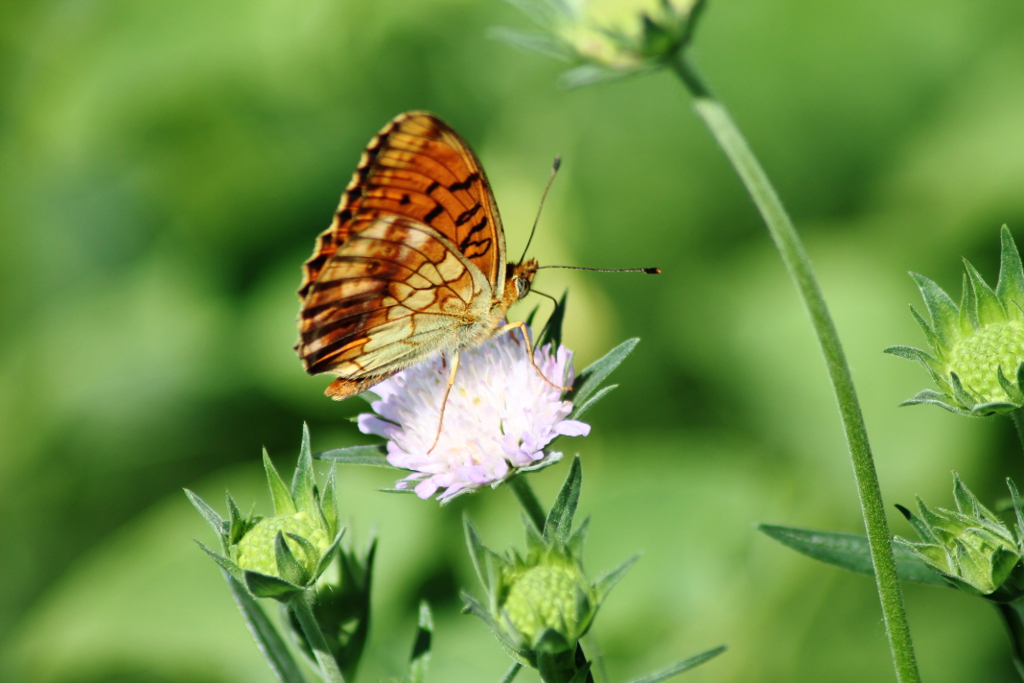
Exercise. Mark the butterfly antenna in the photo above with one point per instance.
(554, 170)
(649, 271)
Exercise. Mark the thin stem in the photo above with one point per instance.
(528, 499)
(728, 136)
(303, 610)
(1018, 422)
(1014, 622)
(511, 674)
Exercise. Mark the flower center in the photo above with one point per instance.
(977, 358)
(256, 549)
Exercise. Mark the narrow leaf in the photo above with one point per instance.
(373, 454)
(850, 551)
(302, 480)
(283, 503)
(268, 640)
(1010, 288)
(263, 586)
(990, 309)
(289, 568)
(420, 659)
(477, 552)
(329, 503)
(682, 666)
(552, 333)
(531, 42)
(579, 411)
(597, 372)
(219, 526)
(559, 521)
(605, 584)
(227, 565)
(944, 313)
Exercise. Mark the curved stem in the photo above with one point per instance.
(300, 605)
(1013, 619)
(528, 499)
(1018, 422)
(728, 136)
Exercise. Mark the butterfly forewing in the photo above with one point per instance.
(418, 167)
(413, 262)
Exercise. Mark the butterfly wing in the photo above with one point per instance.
(410, 262)
(418, 167)
(391, 294)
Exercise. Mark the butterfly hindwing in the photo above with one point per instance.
(391, 294)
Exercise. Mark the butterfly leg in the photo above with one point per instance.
(444, 401)
(529, 350)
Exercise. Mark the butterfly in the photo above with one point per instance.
(413, 263)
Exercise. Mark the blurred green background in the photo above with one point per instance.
(165, 166)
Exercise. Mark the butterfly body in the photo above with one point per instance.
(413, 263)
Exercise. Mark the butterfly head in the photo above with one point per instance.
(520, 278)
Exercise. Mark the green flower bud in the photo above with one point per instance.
(283, 555)
(970, 547)
(552, 594)
(608, 41)
(255, 552)
(541, 605)
(977, 358)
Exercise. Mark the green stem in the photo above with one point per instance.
(1013, 618)
(788, 243)
(511, 674)
(528, 499)
(303, 610)
(1018, 422)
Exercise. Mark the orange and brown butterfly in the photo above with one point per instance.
(413, 263)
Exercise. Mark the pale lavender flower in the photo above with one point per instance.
(499, 417)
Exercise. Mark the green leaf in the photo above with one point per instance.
(420, 658)
(579, 411)
(302, 480)
(263, 586)
(850, 551)
(1018, 509)
(990, 308)
(552, 333)
(226, 564)
(289, 568)
(682, 666)
(268, 640)
(471, 606)
(575, 543)
(944, 313)
(220, 527)
(1010, 288)
(477, 553)
(559, 522)
(582, 674)
(597, 372)
(374, 455)
(605, 584)
(329, 504)
(532, 42)
(283, 503)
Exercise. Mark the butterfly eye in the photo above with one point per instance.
(522, 287)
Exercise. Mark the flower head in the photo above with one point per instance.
(541, 603)
(283, 555)
(970, 547)
(977, 358)
(607, 41)
(499, 416)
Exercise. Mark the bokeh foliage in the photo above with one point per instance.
(165, 166)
